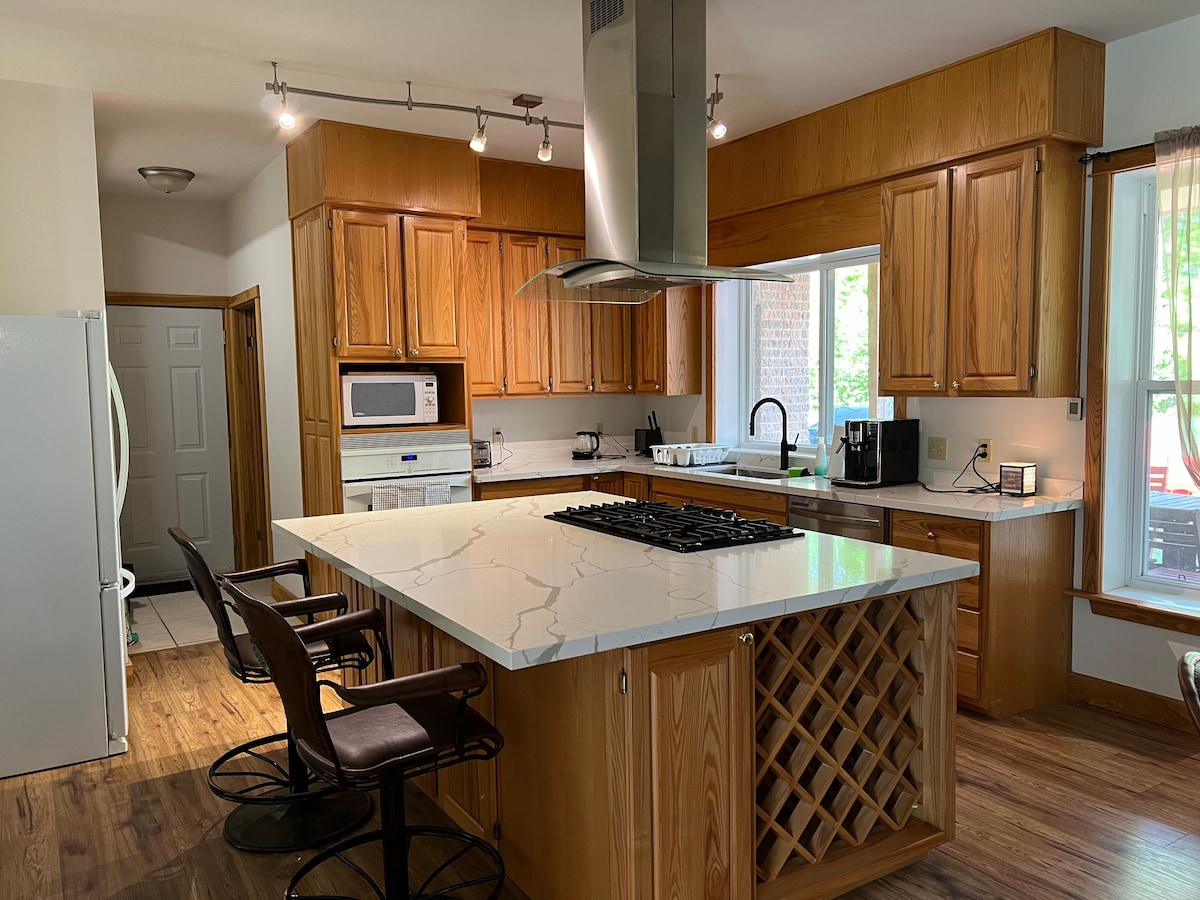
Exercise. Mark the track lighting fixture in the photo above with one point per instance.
(479, 138)
(716, 127)
(546, 150)
(478, 142)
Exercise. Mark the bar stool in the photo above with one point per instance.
(392, 731)
(1189, 684)
(279, 810)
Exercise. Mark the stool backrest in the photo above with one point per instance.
(1189, 684)
(287, 660)
(205, 584)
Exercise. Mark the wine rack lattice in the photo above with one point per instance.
(836, 739)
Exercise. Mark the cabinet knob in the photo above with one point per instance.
(747, 638)
(932, 536)
(413, 352)
(937, 385)
(399, 351)
(629, 387)
(955, 385)
(657, 387)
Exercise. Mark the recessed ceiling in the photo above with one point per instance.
(181, 84)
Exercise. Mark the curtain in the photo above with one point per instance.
(1177, 160)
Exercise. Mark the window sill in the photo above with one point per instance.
(1145, 608)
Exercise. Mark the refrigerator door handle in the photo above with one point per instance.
(118, 401)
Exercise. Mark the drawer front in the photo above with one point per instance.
(968, 592)
(674, 490)
(529, 487)
(968, 675)
(937, 534)
(968, 629)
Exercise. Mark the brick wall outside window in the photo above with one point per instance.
(785, 330)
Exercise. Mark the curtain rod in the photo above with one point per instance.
(1107, 155)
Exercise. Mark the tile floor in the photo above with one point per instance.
(179, 619)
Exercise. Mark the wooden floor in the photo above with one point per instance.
(1064, 802)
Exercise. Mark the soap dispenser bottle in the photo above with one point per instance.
(822, 466)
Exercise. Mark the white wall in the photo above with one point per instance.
(163, 244)
(260, 253)
(1149, 86)
(50, 255)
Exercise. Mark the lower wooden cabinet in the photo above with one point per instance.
(745, 501)
(606, 482)
(636, 487)
(1014, 619)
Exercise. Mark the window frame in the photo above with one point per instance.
(825, 264)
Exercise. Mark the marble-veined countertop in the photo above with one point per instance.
(1056, 496)
(524, 590)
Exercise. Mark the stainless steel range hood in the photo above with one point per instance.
(645, 157)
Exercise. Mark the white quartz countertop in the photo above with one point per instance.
(910, 497)
(524, 590)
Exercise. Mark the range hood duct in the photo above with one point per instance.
(645, 157)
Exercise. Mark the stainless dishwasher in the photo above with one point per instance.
(852, 520)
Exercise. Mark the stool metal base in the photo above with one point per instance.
(426, 891)
(291, 825)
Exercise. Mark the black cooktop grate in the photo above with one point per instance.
(683, 529)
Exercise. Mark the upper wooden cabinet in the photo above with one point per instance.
(526, 322)
(515, 196)
(337, 164)
(668, 343)
(397, 296)
(367, 285)
(914, 277)
(433, 281)
(1008, 324)
(570, 332)
(485, 323)
(612, 348)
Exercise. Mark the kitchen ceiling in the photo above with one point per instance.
(180, 84)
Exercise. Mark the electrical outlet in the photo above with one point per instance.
(985, 447)
(497, 436)
(599, 428)
(937, 448)
(695, 434)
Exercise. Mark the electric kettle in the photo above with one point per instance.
(586, 446)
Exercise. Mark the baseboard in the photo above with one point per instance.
(279, 592)
(1129, 701)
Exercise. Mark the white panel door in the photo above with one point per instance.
(171, 367)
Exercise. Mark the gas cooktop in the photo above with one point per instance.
(683, 529)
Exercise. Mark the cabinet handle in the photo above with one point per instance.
(413, 352)
(937, 385)
(592, 385)
(399, 351)
(955, 385)
(657, 387)
(746, 638)
(629, 387)
(932, 536)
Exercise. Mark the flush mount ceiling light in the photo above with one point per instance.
(716, 127)
(478, 139)
(546, 150)
(167, 179)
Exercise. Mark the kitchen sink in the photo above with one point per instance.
(761, 474)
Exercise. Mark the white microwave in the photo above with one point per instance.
(372, 398)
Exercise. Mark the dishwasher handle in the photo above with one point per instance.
(842, 520)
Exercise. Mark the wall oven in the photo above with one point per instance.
(436, 464)
(391, 398)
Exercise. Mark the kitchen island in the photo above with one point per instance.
(772, 720)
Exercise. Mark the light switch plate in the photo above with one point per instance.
(1074, 408)
(937, 448)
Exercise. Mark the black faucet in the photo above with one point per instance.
(784, 446)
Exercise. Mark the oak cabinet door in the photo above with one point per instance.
(612, 355)
(914, 284)
(650, 346)
(485, 321)
(696, 745)
(992, 274)
(367, 286)
(526, 322)
(433, 280)
(570, 331)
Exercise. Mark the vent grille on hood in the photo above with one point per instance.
(645, 157)
(605, 12)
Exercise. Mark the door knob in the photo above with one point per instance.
(746, 638)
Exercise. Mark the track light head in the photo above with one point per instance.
(546, 150)
(479, 138)
(717, 128)
(286, 120)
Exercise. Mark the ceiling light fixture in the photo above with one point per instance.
(479, 138)
(716, 127)
(167, 179)
(546, 150)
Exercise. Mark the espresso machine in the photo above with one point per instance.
(880, 452)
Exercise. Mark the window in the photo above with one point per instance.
(813, 345)
(1166, 523)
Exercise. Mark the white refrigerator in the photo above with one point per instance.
(62, 622)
